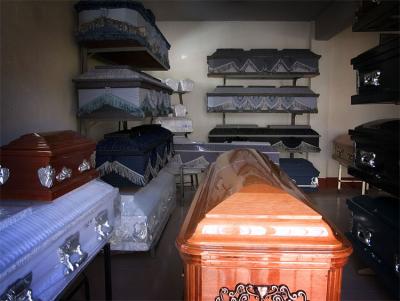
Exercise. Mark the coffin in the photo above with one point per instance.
(120, 89)
(44, 166)
(282, 138)
(262, 99)
(200, 155)
(107, 24)
(286, 63)
(375, 236)
(378, 73)
(251, 234)
(377, 16)
(302, 172)
(175, 124)
(143, 212)
(133, 157)
(377, 154)
(343, 150)
(45, 246)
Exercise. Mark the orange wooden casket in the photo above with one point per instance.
(44, 166)
(250, 234)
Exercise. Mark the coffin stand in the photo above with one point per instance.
(250, 234)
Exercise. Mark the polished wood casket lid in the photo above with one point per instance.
(44, 166)
(247, 204)
(47, 144)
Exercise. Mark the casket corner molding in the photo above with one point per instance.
(274, 292)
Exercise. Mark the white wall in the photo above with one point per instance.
(39, 57)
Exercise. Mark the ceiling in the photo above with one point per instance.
(330, 16)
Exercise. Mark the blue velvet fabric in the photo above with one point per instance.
(135, 148)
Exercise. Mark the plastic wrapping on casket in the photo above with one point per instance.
(374, 234)
(301, 171)
(121, 21)
(200, 155)
(44, 246)
(133, 156)
(282, 138)
(262, 99)
(143, 214)
(262, 61)
(123, 89)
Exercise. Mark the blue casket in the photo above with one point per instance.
(121, 23)
(133, 156)
(301, 171)
(43, 247)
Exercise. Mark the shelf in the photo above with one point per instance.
(266, 75)
(265, 111)
(379, 98)
(138, 57)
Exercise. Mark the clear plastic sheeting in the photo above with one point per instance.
(142, 215)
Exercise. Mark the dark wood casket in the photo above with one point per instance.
(250, 234)
(44, 166)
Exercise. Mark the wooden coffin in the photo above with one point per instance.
(44, 166)
(250, 234)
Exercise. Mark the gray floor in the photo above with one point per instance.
(138, 276)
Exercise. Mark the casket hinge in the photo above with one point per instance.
(4, 174)
(20, 290)
(64, 174)
(71, 254)
(103, 227)
(46, 176)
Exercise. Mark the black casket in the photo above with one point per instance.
(375, 235)
(284, 138)
(302, 172)
(377, 154)
(375, 15)
(133, 156)
(284, 99)
(378, 73)
(274, 63)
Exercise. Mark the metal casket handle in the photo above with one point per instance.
(71, 254)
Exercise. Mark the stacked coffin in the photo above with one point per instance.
(375, 227)
(123, 32)
(282, 138)
(45, 245)
(262, 99)
(267, 64)
(119, 91)
(122, 23)
(271, 63)
(134, 161)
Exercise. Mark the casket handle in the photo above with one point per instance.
(364, 235)
(368, 158)
(103, 227)
(396, 263)
(19, 290)
(71, 254)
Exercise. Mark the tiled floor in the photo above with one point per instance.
(138, 276)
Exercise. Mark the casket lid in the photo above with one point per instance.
(246, 203)
(380, 131)
(47, 144)
(119, 73)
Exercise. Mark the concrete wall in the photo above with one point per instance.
(39, 57)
